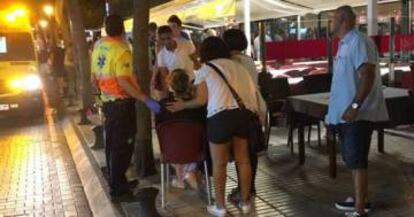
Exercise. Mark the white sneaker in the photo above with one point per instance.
(215, 211)
(246, 208)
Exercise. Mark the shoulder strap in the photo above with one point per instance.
(233, 92)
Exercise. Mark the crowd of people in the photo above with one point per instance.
(217, 85)
(181, 94)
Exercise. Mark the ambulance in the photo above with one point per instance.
(20, 83)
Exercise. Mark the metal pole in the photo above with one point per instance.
(372, 17)
(329, 47)
(298, 28)
(405, 27)
(263, 45)
(405, 13)
(410, 15)
(391, 75)
(108, 8)
(319, 25)
(247, 21)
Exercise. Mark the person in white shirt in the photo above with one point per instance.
(256, 44)
(175, 23)
(173, 55)
(227, 123)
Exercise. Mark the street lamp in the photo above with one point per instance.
(48, 9)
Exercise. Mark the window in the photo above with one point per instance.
(16, 46)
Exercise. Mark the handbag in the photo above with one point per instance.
(256, 137)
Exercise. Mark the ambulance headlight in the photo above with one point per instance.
(26, 83)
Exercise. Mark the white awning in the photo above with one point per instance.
(267, 9)
(210, 13)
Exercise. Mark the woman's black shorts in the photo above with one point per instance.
(223, 126)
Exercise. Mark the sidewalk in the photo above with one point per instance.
(37, 174)
(286, 189)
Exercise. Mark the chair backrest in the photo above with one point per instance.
(263, 79)
(407, 81)
(295, 73)
(182, 141)
(318, 83)
(277, 88)
(308, 70)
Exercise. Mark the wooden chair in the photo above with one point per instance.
(275, 91)
(318, 83)
(263, 79)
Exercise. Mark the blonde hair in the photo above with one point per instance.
(180, 83)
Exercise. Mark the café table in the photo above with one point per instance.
(399, 106)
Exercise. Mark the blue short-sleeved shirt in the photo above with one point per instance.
(354, 50)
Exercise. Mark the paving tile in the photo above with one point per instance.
(35, 168)
(286, 189)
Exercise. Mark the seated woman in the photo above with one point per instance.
(182, 90)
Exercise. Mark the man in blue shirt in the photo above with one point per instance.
(356, 101)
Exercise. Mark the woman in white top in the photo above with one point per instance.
(227, 124)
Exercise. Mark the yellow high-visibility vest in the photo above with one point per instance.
(112, 59)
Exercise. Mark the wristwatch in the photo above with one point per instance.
(355, 105)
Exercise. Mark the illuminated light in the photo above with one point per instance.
(20, 12)
(43, 23)
(11, 18)
(29, 83)
(219, 8)
(16, 84)
(32, 82)
(48, 9)
(283, 5)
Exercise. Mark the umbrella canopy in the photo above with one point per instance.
(209, 13)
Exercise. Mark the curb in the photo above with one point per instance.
(89, 172)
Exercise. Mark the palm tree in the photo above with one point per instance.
(144, 155)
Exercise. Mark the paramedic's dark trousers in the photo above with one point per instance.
(120, 128)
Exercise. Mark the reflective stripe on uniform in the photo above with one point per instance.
(110, 85)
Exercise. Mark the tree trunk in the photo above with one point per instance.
(144, 154)
(70, 57)
(63, 22)
(80, 46)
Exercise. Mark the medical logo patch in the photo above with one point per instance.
(101, 61)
